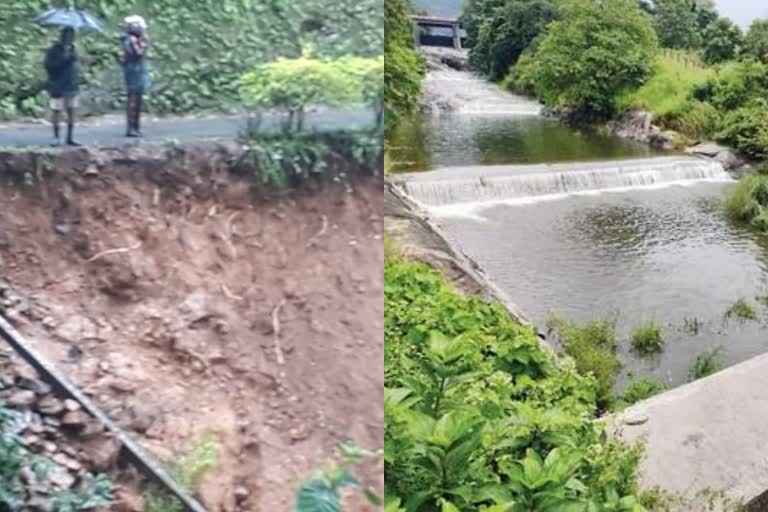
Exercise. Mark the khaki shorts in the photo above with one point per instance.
(64, 103)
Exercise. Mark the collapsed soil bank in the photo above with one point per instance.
(163, 286)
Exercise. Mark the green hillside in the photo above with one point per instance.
(200, 48)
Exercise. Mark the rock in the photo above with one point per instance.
(709, 149)
(50, 406)
(61, 478)
(39, 504)
(102, 453)
(49, 322)
(75, 419)
(122, 385)
(729, 160)
(23, 398)
(24, 372)
(635, 420)
(71, 405)
(126, 501)
(63, 229)
(241, 494)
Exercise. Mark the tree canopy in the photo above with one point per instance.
(722, 41)
(591, 53)
(756, 41)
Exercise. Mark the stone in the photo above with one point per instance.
(71, 405)
(709, 149)
(729, 160)
(50, 406)
(75, 419)
(23, 398)
(61, 478)
(241, 494)
(24, 372)
(126, 501)
(122, 385)
(102, 453)
(635, 420)
(63, 229)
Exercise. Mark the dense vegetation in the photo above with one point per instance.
(200, 49)
(403, 67)
(480, 417)
(590, 54)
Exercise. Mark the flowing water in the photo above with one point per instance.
(602, 235)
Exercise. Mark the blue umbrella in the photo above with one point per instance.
(74, 18)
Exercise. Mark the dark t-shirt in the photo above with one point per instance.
(63, 70)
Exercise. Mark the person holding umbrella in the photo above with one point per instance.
(63, 82)
(61, 65)
(135, 43)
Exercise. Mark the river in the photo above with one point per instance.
(588, 226)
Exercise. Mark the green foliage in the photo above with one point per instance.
(480, 418)
(742, 310)
(722, 41)
(739, 84)
(188, 470)
(320, 492)
(706, 364)
(677, 24)
(199, 49)
(591, 52)
(288, 160)
(640, 389)
(746, 129)
(92, 491)
(748, 201)
(403, 67)
(292, 85)
(647, 339)
(756, 40)
(505, 31)
(593, 347)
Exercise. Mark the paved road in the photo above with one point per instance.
(112, 130)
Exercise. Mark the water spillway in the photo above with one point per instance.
(528, 183)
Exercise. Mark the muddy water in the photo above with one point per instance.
(629, 238)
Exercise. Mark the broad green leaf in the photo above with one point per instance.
(317, 496)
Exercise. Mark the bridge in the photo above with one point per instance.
(431, 30)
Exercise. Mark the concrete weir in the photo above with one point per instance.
(709, 435)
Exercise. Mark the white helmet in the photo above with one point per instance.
(136, 21)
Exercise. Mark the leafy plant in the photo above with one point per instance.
(403, 67)
(320, 492)
(748, 201)
(640, 389)
(593, 347)
(647, 339)
(188, 470)
(285, 160)
(743, 310)
(706, 364)
(93, 492)
(479, 417)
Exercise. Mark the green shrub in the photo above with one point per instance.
(746, 129)
(188, 470)
(593, 348)
(640, 389)
(292, 85)
(742, 310)
(591, 52)
(748, 201)
(706, 364)
(667, 93)
(477, 414)
(647, 339)
(199, 49)
(739, 84)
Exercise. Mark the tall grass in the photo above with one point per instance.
(748, 201)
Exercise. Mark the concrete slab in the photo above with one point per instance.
(711, 434)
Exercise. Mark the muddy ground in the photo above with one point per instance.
(256, 318)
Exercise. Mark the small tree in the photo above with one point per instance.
(677, 23)
(591, 53)
(292, 85)
(722, 41)
(368, 77)
(756, 42)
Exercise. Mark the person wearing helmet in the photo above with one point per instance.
(61, 65)
(135, 43)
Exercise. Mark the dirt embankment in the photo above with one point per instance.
(184, 303)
